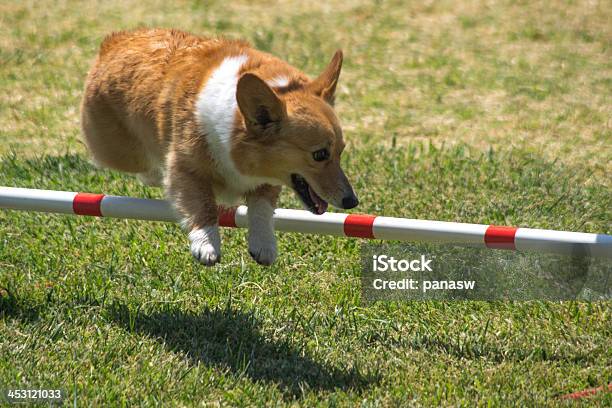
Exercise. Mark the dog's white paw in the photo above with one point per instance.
(262, 245)
(263, 254)
(206, 254)
(206, 245)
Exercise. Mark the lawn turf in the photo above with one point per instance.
(469, 112)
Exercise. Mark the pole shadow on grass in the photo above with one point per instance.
(230, 339)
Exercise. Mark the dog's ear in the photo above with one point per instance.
(260, 106)
(325, 84)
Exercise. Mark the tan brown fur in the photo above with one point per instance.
(138, 115)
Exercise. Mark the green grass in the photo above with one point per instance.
(117, 311)
(459, 112)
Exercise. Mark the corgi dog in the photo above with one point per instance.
(215, 122)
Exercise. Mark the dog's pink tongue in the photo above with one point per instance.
(319, 202)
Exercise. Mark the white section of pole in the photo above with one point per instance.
(241, 218)
(137, 209)
(309, 223)
(28, 199)
(404, 229)
(570, 243)
(299, 221)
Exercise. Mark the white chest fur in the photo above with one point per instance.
(216, 111)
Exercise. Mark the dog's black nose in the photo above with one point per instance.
(350, 202)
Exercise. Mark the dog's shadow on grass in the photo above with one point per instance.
(12, 306)
(230, 339)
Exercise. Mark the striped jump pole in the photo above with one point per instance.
(348, 225)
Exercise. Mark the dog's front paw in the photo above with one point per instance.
(206, 245)
(262, 242)
(263, 251)
(263, 256)
(206, 254)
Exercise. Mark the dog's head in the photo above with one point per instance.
(295, 137)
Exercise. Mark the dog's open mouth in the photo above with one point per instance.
(311, 200)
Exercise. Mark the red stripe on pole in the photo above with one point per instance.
(87, 204)
(359, 225)
(227, 217)
(500, 237)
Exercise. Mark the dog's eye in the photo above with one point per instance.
(320, 155)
